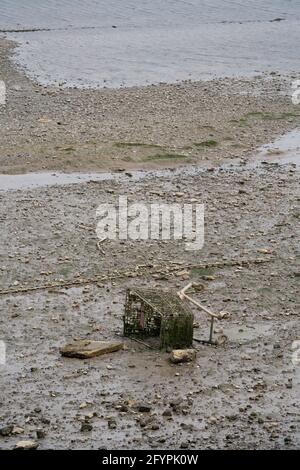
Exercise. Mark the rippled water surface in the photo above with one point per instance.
(136, 42)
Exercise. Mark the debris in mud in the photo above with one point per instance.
(158, 313)
(221, 339)
(182, 355)
(85, 349)
(112, 423)
(17, 430)
(6, 430)
(144, 408)
(86, 427)
(223, 314)
(40, 434)
(26, 445)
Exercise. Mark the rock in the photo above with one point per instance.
(155, 427)
(167, 413)
(112, 423)
(6, 430)
(86, 427)
(143, 408)
(183, 273)
(182, 355)
(17, 430)
(187, 427)
(198, 286)
(45, 421)
(26, 445)
(89, 416)
(175, 403)
(40, 434)
(84, 349)
(184, 445)
(83, 405)
(146, 421)
(222, 339)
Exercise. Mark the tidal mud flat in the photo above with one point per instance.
(73, 130)
(57, 285)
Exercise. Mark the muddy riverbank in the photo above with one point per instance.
(62, 129)
(244, 394)
(202, 142)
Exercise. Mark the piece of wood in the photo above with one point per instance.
(85, 349)
(182, 294)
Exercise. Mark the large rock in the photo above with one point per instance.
(182, 355)
(84, 349)
(26, 445)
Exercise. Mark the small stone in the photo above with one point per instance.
(143, 408)
(182, 355)
(45, 421)
(83, 405)
(40, 434)
(122, 408)
(86, 427)
(112, 423)
(146, 421)
(155, 427)
(26, 445)
(184, 445)
(176, 403)
(6, 430)
(17, 430)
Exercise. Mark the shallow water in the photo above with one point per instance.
(284, 150)
(35, 180)
(137, 42)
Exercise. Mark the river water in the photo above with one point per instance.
(114, 43)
